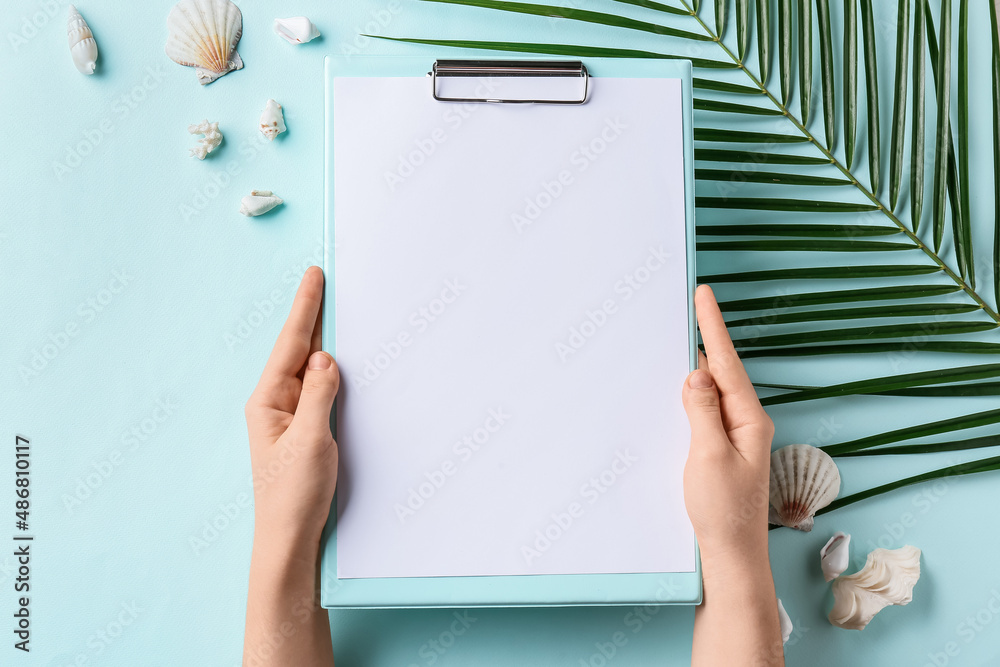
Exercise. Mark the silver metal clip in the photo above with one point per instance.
(510, 68)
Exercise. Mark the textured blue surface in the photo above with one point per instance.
(205, 293)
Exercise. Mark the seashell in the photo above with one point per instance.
(209, 142)
(804, 479)
(272, 122)
(835, 555)
(82, 45)
(785, 623)
(204, 35)
(296, 30)
(259, 202)
(886, 579)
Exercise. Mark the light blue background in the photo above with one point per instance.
(183, 332)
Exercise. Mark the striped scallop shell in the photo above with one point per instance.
(804, 479)
(204, 35)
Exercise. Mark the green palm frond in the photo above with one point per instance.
(867, 222)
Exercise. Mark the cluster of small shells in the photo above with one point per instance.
(804, 480)
(204, 34)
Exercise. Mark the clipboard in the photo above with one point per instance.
(363, 248)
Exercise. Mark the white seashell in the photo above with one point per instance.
(835, 555)
(209, 142)
(804, 479)
(82, 45)
(785, 622)
(886, 579)
(272, 121)
(259, 202)
(296, 30)
(204, 35)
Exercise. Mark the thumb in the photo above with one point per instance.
(319, 387)
(701, 402)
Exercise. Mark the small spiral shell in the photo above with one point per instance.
(82, 45)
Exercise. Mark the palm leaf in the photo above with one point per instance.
(582, 15)
(937, 391)
(769, 303)
(923, 310)
(821, 273)
(931, 447)
(805, 58)
(871, 87)
(785, 49)
(720, 17)
(904, 346)
(942, 67)
(995, 39)
(871, 332)
(962, 423)
(742, 27)
(876, 385)
(785, 178)
(983, 465)
(850, 78)
(917, 137)
(899, 102)
(826, 70)
(562, 50)
(763, 39)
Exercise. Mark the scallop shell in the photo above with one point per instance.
(272, 121)
(296, 30)
(259, 202)
(887, 578)
(804, 479)
(835, 555)
(204, 35)
(82, 45)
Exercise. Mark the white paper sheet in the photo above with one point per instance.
(511, 329)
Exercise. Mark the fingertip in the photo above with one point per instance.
(320, 361)
(700, 379)
(313, 274)
(704, 292)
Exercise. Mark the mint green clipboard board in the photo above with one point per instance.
(520, 590)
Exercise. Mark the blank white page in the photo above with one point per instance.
(511, 327)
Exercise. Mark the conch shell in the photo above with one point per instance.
(272, 121)
(804, 479)
(887, 578)
(204, 35)
(835, 555)
(82, 45)
(296, 30)
(259, 202)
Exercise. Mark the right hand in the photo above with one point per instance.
(728, 467)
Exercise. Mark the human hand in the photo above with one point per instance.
(292, 451)
(727, 472)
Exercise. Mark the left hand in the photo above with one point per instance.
(292, 450)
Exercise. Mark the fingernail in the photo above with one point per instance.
(700, 380)
(319, 361)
